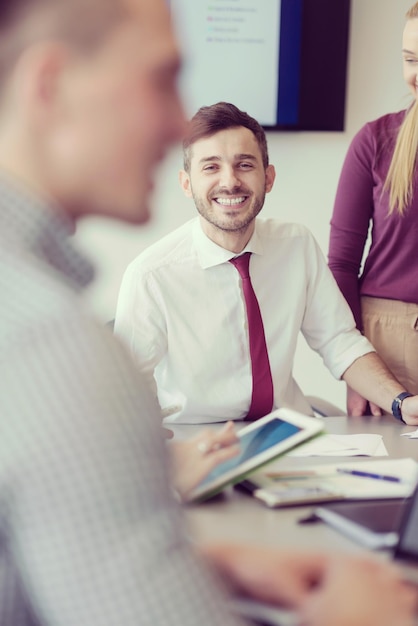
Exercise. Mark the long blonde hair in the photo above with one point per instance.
(400, 178)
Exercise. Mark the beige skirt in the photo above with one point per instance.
(392, 327)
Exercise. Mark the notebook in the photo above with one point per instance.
(374, 525)
(385, 524)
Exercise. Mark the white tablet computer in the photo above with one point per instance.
(260, 442)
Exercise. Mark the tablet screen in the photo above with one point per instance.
(253, 443)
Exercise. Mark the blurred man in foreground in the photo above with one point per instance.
(90, 532)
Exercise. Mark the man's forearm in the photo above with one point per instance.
(370, 377)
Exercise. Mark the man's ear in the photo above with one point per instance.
(39, 75)
(184, 179)
(270, 177)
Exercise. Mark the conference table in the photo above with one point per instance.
(235, 516)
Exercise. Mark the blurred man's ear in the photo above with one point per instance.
(184, 179)
(38, 79)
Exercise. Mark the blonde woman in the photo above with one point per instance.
(378, 187)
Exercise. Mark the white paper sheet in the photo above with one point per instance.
(411, 434)
(342, 445)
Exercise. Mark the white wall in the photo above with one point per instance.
(307, 164)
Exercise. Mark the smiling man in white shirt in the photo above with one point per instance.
(181, 307)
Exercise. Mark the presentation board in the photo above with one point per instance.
(282, 61)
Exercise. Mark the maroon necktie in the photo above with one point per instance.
(262, 396)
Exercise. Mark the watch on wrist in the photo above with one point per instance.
(397, 405)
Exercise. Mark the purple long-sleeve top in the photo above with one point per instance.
(391, 266)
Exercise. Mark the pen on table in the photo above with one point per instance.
(363, 474)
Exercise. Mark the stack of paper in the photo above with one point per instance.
(364, 480)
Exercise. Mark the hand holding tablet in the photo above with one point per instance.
(195, 457)
(259, 442)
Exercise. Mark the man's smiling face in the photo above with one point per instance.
(227, 180)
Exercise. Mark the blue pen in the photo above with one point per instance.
(362, 474)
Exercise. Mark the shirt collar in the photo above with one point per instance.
(31, 223)
(210, 254)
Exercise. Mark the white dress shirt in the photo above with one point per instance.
(182, 313)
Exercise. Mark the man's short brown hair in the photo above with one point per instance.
(221, 116)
